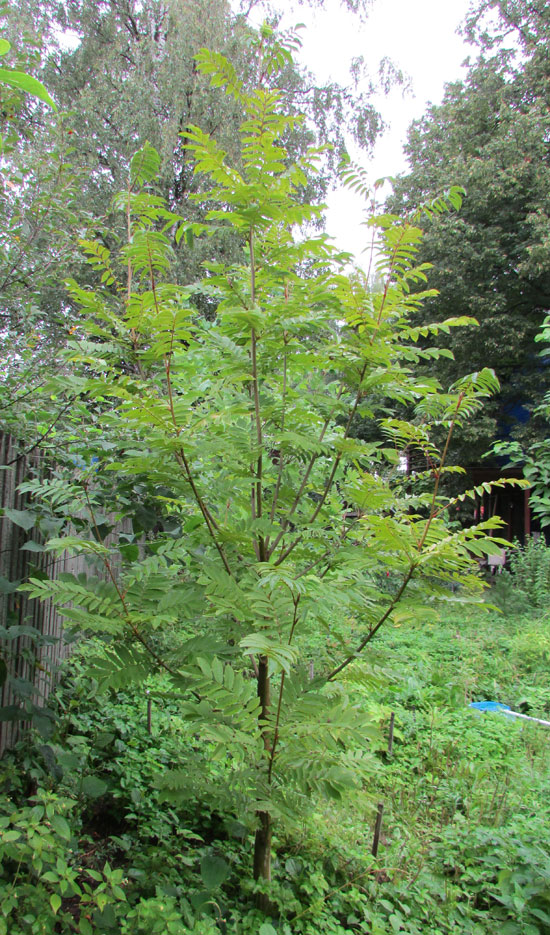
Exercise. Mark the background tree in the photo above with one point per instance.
(492, 260)
(39, 219)
(534, 458)
(38, 225)
(129, 76)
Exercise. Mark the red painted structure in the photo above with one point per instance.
(510, 503)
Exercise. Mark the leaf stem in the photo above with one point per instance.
(296, 601)
(374, 630)
(121, 595)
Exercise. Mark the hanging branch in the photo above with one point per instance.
(121, 595)
(180, 454)
(286, 520)
(28, 451)
(374, 630)
(413, 565)
(433, 511)
(338, 458)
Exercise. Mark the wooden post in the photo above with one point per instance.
(377, 829)
(526, 516)
(149, 713)
(390, 737)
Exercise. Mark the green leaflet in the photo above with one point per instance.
(214, 871)
(76, 546)
(93, 787)
(23, 82)
(96, 603)
(24, 518)
(281, 656)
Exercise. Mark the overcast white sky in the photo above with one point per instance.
(420, 37)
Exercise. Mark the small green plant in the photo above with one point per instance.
(163, 915)
(530, 570)
(507, 594)
(531, 647)
(40, 875)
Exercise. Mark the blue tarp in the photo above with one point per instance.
(489, 706)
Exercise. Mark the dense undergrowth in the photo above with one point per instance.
(91, 842)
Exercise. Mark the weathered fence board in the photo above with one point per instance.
(23, 661)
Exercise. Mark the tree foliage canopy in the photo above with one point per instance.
(276, 530)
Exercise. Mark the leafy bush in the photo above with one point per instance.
(40, 877)
(531, 647)
(530, 568)
(527, 582)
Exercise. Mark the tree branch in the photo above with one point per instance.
(374, 630)
(257, 488)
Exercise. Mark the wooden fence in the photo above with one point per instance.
(24, 659)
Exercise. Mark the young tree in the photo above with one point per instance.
(286, 532)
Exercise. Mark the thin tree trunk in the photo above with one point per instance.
(262, 848)
(262, 840)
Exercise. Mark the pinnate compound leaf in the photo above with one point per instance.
(118, 667)
(281, 655)
(222, 72)
(76, 546)
(144, 165)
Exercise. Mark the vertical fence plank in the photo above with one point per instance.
(16, 608)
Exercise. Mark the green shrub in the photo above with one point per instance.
(41, 876)
(530, 568)
(531, 647)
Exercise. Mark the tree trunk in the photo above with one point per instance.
(262, 848)
(262, 840)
